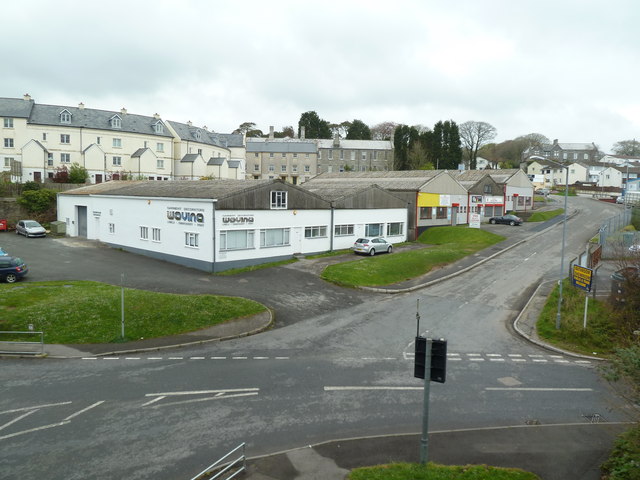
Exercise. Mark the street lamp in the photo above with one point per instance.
(564, 236)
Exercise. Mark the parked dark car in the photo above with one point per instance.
(506, 220)
(30, 228)
(372, 245)
(12, 269)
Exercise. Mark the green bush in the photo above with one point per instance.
(37, 201)
(624, 462)
(28, 186)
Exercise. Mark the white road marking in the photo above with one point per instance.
(197, 358)
(44, 427)
(197, 400)
(202, 392)
(343, 389)
(36, 407)
(157, 399)
(218, 358)
(261, 358)
(238, 358)
(540, 360)
(84, 410)
(176, 358)
(154, 358)
(18, 419)
(89, 358)
(497, 360)
(111, 358)
(282, 358)
(132, 358)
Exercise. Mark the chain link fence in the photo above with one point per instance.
(615, 240)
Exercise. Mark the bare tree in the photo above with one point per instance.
(383, 131)
(474, 135)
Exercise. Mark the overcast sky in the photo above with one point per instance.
(568, 69)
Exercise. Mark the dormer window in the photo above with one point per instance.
(198, 135)
(65, 116)
(158, 127)
(115, 121)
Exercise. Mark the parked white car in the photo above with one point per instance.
(30, 228)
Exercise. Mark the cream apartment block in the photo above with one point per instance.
(38, 140)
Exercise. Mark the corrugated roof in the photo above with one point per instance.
(172, 189)
(290, 146)
(410, 180)
(356, 144)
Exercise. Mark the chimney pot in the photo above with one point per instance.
(27, 97)
(81, 106)
(123, 111)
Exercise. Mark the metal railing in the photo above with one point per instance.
(13, 345)
(231, 465)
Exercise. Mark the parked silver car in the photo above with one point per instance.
(372, 245)
(30, 228)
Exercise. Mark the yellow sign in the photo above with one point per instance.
(581, 277)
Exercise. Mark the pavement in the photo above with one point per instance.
(562, 452)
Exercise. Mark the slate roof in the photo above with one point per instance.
(223, 140)
(334, 192)
(213, 189)
(410, 180)
(96, 119)
(190, 157)
(281, 146)
(138, 152)
(15, 107)
(216, 161)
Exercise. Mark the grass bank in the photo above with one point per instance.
(442, 245)
(544, 216)
(90, 312)
(412, 471)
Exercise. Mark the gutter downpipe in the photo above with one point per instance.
(213, 237)
(331, 226)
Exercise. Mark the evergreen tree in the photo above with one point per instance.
(314, 126)
(358, 130)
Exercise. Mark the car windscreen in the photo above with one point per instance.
(31, 224)
(16, 261)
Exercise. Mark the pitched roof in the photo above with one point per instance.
(411, 180)
(189, 132)
(356, 144)
(281, 145)
(15, 107)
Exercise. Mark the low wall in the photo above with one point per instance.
(11, 211)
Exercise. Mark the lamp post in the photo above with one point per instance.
(564, 235)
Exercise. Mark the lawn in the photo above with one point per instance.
(412, 471)
(443, 245)
(90, 312)
(544, 216)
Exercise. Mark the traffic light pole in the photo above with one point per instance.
(424, 441)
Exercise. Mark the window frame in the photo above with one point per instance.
(400, 229)
(286, 237)
(249, 240)
(339, 230)
(191, 240)
(315, 231)
(369, 228)
(278, 199)
(8, 122)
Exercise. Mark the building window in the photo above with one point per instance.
(112, 228)
(343, 230)
(295, 155)
(364, 155)
(272, 168)
(159, 147)
(8, 160)
(274, 237)
(155, 234)
(44, 137)
(270, 154)
(8, 123)
(198, 135)
(160, 163)
(159, 128)
(564, 155)
(284, 155)
(425, 213)
(278, 200)
(65, 157)
(117, 143)
(116, 122)
(237, 239)
(191, 239)
(144, 233)
(373, 229)
(375, 155)
(64, 138)
(294, 168)
(487, 189)
(65, 116)
(330, 154)
(395, 228)
(117, 161)
(256, 154)
(353, 154)
(586, 156)
(307, 169)
(199, 151)
(441, 212)
(306, 155)
(315, 232)
(8, 143)
(283, 168)
(50, 159)
(341, 154)
(98, 140)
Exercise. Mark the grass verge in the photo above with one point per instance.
(431, 471)
(544, 216)
(90, 312)
(447, 244)
(251, 268)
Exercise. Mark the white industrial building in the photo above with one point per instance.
(215, 225)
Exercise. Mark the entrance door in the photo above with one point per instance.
(98, 178)
(81, 216)
(37, 177)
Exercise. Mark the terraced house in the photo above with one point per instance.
(38, 140)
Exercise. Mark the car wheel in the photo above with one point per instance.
(492, 221)
(389, 249)
(372, 252)
(11, 278)
(512, 223)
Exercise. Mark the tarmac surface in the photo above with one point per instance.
(566, 452)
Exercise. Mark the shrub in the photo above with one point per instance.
(28, 186)
(37, 201)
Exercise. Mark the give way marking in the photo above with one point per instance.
(209, 395)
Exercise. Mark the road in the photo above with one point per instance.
(339, 365)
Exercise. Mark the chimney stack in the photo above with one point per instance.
(302, 133)
(27, 97)
(271, 135)
(123, 111)
(189, 124)
(336, 140)
(156, 116)
(81, 106)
